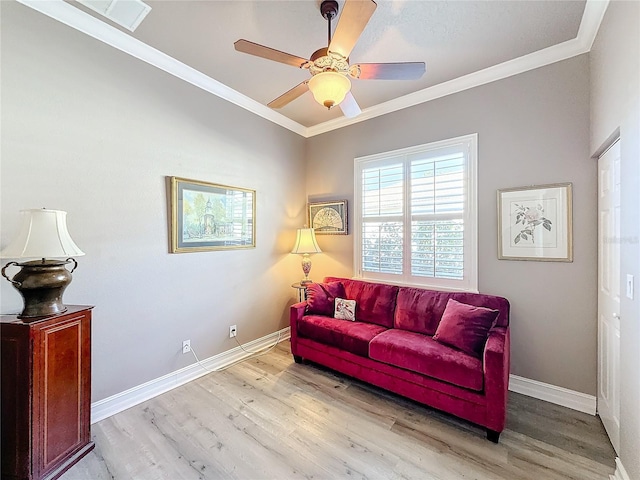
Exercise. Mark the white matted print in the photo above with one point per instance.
(534, 223)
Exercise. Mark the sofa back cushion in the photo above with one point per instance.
(419, 310)
(375, 302)
(321, 297)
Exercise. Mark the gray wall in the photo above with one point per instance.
(533, 129)
(92, 131)
(615, 104)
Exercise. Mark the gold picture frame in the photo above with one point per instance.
(328, 218)
(209, 216)
(535, 223)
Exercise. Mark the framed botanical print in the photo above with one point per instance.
(207, 216)
(535, 223)
(329, 218)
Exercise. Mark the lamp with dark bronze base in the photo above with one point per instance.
(41, 283)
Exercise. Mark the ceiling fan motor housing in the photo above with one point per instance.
(329, 9)
(324, 61)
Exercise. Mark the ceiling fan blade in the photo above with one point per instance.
(350, 107)
(289, 96)
(245, 46)
(354, 17)
(388, 71)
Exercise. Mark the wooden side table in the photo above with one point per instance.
(45, 393)
(302, 291)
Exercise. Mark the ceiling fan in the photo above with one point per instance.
(329, 67)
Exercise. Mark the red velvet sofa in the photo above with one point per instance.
(391, 345)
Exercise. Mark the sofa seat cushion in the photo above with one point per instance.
(420, 353)
(353, 337)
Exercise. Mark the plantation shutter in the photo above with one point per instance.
(382, 215)
(415, 215)
(437, 211)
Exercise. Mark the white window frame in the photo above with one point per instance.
(469, 283)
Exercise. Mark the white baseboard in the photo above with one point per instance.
(127, 399)
(620, 473)
(550, 393)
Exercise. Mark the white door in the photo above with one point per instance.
(609, 292)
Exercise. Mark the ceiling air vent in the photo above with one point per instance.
(127, 13)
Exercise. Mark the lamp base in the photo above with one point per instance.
(41, 284)
(306, 268)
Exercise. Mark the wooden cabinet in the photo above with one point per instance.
(45, 393)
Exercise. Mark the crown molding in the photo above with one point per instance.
(75, 18)
(594, 11)
(507, 69)
(592, 17)
(89, 25)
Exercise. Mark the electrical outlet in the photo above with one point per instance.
(186, 346)
(233, 330)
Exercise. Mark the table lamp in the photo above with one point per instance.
(43, 236)
(305, 245)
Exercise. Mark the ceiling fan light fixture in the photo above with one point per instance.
(329, 88)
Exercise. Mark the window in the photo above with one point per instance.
(415, 215)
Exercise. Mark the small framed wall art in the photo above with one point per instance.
(535, 223)
(207, 216)
(329, 218)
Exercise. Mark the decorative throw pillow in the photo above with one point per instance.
(465, 327)
(345, 309)
(321, 297)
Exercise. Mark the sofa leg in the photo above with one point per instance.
(297, 358)
(493, 436)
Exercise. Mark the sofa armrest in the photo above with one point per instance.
(496, 363)
(296, 312)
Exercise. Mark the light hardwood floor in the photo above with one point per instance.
(269, 418)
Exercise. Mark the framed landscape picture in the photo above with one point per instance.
(535, 223)
(329, 218)
(207, 216)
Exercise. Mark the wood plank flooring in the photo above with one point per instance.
(269, 418)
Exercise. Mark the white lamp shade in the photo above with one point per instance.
(329, 88)
(43, 234)
(306, 242)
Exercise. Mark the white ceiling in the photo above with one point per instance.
(463, 43)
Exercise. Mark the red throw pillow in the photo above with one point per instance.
(465, 327)
(321, 297)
